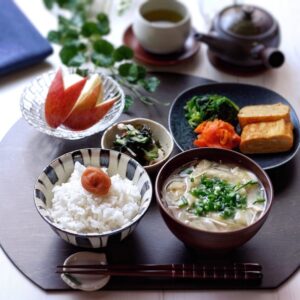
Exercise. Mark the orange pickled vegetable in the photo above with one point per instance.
(217, 134)
(95, 181)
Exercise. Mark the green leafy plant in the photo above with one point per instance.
(123, 6)
(83, 46)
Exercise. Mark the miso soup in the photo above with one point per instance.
(215, 196)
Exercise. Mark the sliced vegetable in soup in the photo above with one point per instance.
(215, 196)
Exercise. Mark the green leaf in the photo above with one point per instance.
(69, 35)
(102, 60)
(103, 47)
(64, 23)
(136, 72)
(80, 46)
(132, 72)
(49, 3)
(103, 55)
(103, 24)
(122, 53)
(71, 56)
(63, 35)
(67, 53)
(77, 6)
(128, 102)
(150, 84)
(54, 36)
(78, 19)
(124, 69)
(63, 3)
(82, 72)
(89, 28)
(123, 6)
(103, 18)
(73, 5)
(77, 60)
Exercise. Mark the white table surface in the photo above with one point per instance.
(285, 81)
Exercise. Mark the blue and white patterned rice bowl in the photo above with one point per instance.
(59, 171)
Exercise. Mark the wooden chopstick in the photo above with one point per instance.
(191, 271)
(217, 275)
(179, 267)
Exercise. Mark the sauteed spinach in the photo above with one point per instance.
(209, 107)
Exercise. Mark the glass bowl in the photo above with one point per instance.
(33, 100)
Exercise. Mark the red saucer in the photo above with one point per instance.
(191, 47)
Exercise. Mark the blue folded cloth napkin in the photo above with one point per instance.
(21, 45)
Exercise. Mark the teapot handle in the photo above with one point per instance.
(272, 57)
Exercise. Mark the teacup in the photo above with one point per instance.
(162, 26)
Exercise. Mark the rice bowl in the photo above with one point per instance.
(74, 208)
(97, 232)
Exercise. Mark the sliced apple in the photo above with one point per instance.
(90, 93)
(95, 79)
(83, 119)
(101, 94)
(89, 101)
(53, 99)
(60, 101)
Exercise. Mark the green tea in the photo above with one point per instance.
(163, 16)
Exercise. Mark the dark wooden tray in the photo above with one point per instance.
(35, 249)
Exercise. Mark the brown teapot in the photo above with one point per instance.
(244, 36)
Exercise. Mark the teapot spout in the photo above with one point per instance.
(211, 40)
(219, 44)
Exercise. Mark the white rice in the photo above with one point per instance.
(74, 208)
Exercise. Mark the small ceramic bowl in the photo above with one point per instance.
(209, 241)
(160, 133)
(59, 171)
(33, 101)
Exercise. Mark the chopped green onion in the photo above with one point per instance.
(182, 202)
(248, 183)
(186, 172)
(259, 200)
(217, 195)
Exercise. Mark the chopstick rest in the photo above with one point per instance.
(92, 282)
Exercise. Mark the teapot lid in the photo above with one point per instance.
(245, 20)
